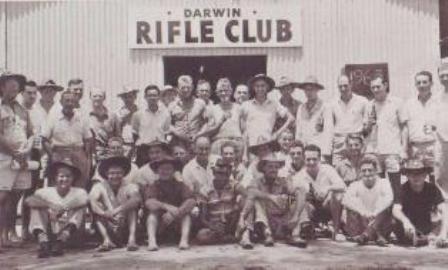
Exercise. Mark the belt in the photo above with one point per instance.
(68, 148)
(423, 143)
(230, 138)
(346, 134)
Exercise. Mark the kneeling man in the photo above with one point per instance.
(269, 197)
(219, 207)
(169, 203)
(324, 192)
(115, 204)
(417, 202)
(368, 204)
(57, 212)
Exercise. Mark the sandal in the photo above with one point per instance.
(103, 248)
(442, 243)
(132, 247)
(298, 242)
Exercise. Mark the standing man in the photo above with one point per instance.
(76, 86)
(241, 93)
(259, 115)
(419, 114)
(115, 148)
(67, 136)
(29, 97)
(419, 200)
(227, 115)
(349, 167)
(189, 117)
(204, 91)
(16, 142)
(151, 123)
(57, 213)
(368, 204)
(324, 189)
(99, 120)
(44, 109)
(121, 121)
(314, 122)
(348, 114)
(442, 130)
(297, 161)
(385, 128)
(229, 155)
(197, 173)
(47, 90)
(286, 87)
(168, 95)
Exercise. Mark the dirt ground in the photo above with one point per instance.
(321, 254)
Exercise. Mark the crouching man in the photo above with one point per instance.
(417, 202)
(219, 207)
(57, 212)
(115, 204)
(324, 190)
(272, 215)
(368, 204)
(169, 203)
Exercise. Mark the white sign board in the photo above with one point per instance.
(231, 26)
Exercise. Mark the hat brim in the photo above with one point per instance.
(57, 88)
(406, 171)
(262, 162)
(272, 144)
(316, 85)
(59, 164)
(165, 146)
(222, 170)
(105, 164)
(164, 90)
(21, 79)
(291, 84)
(155, 165)
(265, 78)
(127, 92)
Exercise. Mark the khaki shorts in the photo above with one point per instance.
(425, 152)
(389, 163)
(13, 179)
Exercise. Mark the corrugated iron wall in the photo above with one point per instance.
(88, 39)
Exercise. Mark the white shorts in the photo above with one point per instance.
(13, 179)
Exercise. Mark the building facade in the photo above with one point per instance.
(89, 39)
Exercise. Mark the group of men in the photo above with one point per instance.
(258, 166)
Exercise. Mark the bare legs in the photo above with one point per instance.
(152, 225)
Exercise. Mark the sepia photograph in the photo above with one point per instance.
(224, 134)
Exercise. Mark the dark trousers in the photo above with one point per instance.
(380, 225)
(36, 183)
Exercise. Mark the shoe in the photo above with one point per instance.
(246, 244)
(269, 241)
(381, 241)
(132, 247)
(44, 250)
(57, 248)
(361, 239)
(420, 240)
(307, 231)
(298, 242)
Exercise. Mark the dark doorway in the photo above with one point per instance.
(443, 7)
(237, 68)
